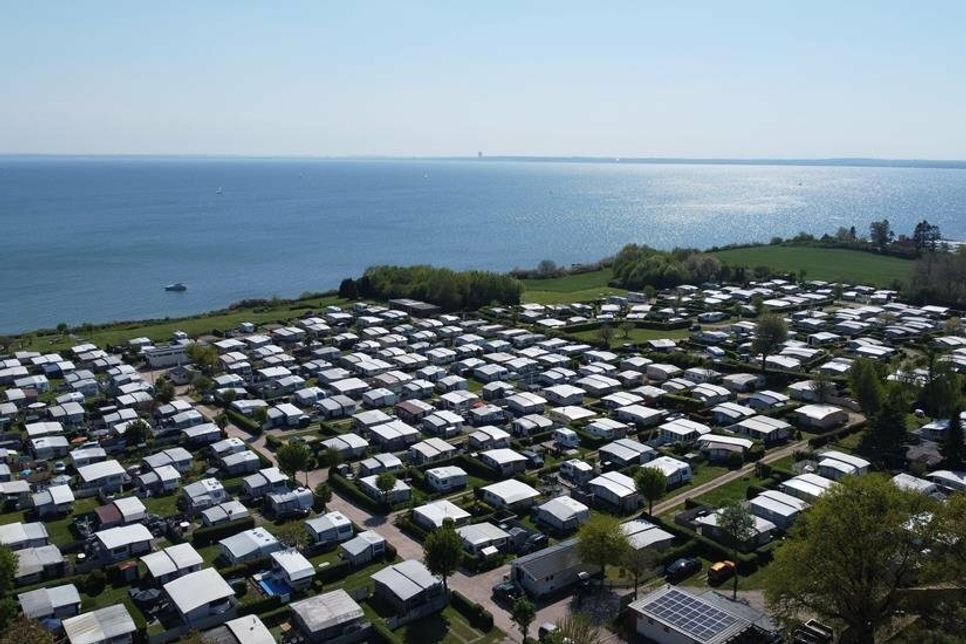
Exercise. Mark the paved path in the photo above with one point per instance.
(771, 457)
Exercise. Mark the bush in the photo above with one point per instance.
(208, 535)
(478, 617)
(94, 583)
(734, 461)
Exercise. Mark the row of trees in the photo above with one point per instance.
(451, 290)
(637, 266)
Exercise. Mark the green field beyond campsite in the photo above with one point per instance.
(829, 264)
(579, 287)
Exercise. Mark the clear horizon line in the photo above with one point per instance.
(834, 160)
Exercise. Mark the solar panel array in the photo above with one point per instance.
(691, 615)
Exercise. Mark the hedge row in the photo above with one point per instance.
(478, 617)
(834, 435)
(382, 634)
(208, 535)
(242, 421)
(357, 496)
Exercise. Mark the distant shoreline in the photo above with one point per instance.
(826, 162)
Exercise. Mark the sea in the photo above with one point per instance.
(97, 239)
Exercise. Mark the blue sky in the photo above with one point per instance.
(684, 79)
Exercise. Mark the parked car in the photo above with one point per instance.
(536, 541)
(683, 567)
(719, 571)
(534, 460)
(506, 592)
(545, 630)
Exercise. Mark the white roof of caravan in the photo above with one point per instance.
(197, 589)
(294, 563)
(438, 511)
(641, 533)
(848, 459)
(250, 629)
(328, 521)
(100, 625)
(96, 471)
(406, 579)
(324, 611)
(15, 533)
(619, 484)
(563, 507)
(172, 559)
(123, 535)
(684, 427)
(41, 603)
(512, 491)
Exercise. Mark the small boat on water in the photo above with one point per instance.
(177, 286)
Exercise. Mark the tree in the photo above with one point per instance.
(651, 483)
(575, 628)
(164, 390)
(294, 457)
(8, 570)
(883, 439)
(605, 334)
(203, 355)
(385, 482)
(881, 234)
(926, 236)
(323, 494)
(738, 524)
(626, 327)
(260, 415)
(952, 445)
(292, 535)
(866, 384)
(847, 557)
(601, 541)
(523, 614)
(348, 289)
(953, 326)
(948, 560)
(136, 432)
(638, 562)
(443, 551)
(331, 458)
(547, 268)
(770, 333)
(202, 384)
(24, 631)
(822, 386)
(943, 389)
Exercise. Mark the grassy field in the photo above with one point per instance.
(161, 330)
(581, 287)
(831, 264)
(635, 335)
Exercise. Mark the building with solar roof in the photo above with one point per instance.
(672, 615)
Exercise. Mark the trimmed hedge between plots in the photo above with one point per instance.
(242, 421)
(208, 535)
(478, 617)
(834, 435)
